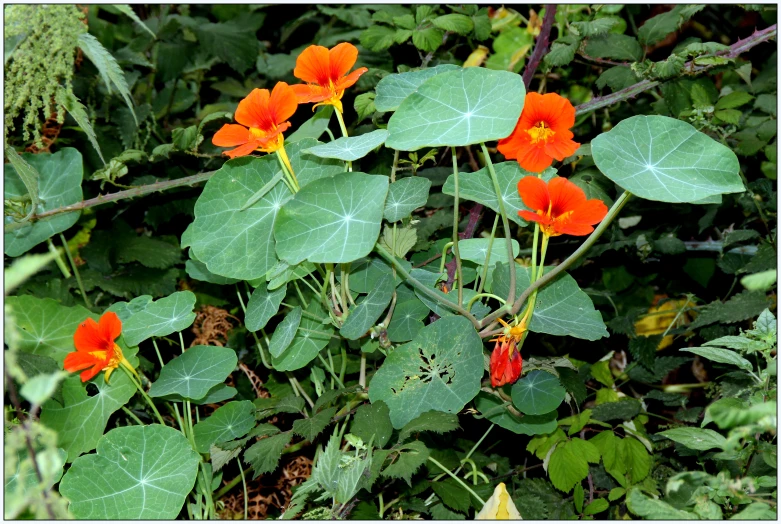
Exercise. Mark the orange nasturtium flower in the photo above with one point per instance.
(325, 73)
(96, 350)
(560, 206)
(542, 133)
(506, 363)
(263, 116)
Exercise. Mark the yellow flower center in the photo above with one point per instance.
(541, 132)
(257, 132)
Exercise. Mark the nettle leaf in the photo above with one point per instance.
(366, 313)
(656, 28)
(81, 419)
(537, 393)
(476, 249)
(138, 472)
(562, 308)
(439, 370)
(310, 428)
(161, 317)
(311, 337)
(234, 41)
(193, 373)
(228, 422)
(45, 326)
(405, 196)
(696, 438)
(458, 108)
(350, 148)
(492, 409)
(59, 185)
(569, 463)
(393, 89)
(615, 46)
(666, 160)
(333, 219)
(285, 331)
(478, 187)
(407, 459)
(262, 305)
(435, 421)
(264, 455)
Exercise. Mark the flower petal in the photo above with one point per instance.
(253, 110)
(561, 147)
(532, 217)
(88, 337)
(351, 79)
(342, 58)
(565, 196)
(78, 360)
(534, 192)
(313, 65)
(110, 327)
(90, 373)
(231, 135)
(283, 102)
(589, 212)
(573, 228)
(243, 150)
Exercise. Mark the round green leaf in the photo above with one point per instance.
(366, 313)
(439, 370)
(138, 472)
(667, 160)
(159, 318)
(333, 219)
(492, 409)
(458, 108)
(231, 421)
(394, 88)
(476, 249)
(537, 393)
(262, 305)
(193, 373)
(350, 148)
(59, 185)
(405, 196)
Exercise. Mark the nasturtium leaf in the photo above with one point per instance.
(696, 438)
(458, 108)
(125, 310)
(308, 167)
(81, 419)
(161, 317)
(492, 409)
(59, 185)
(479, 187)
(262, 305)
(393, 89)
(562, 308)
(285, 331)
(366, 273)
(311, 337)
(476, 249)
(405, 196)
(665, 159)
(45, 326)
(407, 319)
(312, 128)
(138, 472)
(198, 271)
(228, 422)
(371, 423)
(366, 313)
(216, 394)
(193, 373)
(333, 219)
(537, 393)
(350, 148)
(440, 369)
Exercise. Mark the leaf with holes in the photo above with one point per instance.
(138, 472)
(366, 313)
(228, 422)
(332, 220)
(311, 337)
(394, 88)
(440, 369)
(350, 148)
(161, 317)
(193, 373)
(262, 305)
(479, 187)
(59, 185)
(405, 196)
(665, 159)
(537, 393)
(458, 108)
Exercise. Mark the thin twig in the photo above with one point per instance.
(541, 47)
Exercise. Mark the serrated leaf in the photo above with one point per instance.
(138, 472)
(733, 100)
(597, 506)
(310, 428)
(624, 409)
(79, 113)
(742, 306)
(724, 356)
(264, 455)
(435, 421)
(161, 317)
(149, 252)
(108, 67)
(263, 304)
(452, 494)
(666, 160)
(615, 46)
(350, 148)
(696, 438)
(656, 28)
(366, 313)
(128, 11)
(234, 41)
(407, 460)
(193, 373)
(334, 219)
(228, 422)
(405, 196)
(394, 88)
(378, 37)
(454, 22)
(440, 369)
(636, 458)
(458, 108)
(400, 241)
(569, 463)
(537, 393)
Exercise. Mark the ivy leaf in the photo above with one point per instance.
(264, 455)
(262, 305)
(569, 463)
(405, 196)
(407, 459)
(350, 148)
(160, 318)
(435, 421)
(394, 88)
(309, 428)
(439, 369)
(228, 422)
(193, 373)
(537, 393)
(458, 108)
(138, 472)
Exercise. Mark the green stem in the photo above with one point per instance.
(343, 366)
(481, 295)
(527, 318)
(132, 415)
(75, 272)
(457, 254)
(188, 418)
(330, 369)
(344, 134)
(58, 258)
(143, 394)
(395, 165)
(463, 484)
(484, 275)
(423, 289)
(505, 221)
(244, 486)
(443, 258)
(677, 316)
(296, 386)
(159, 357)
(281, 155)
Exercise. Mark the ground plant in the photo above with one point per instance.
(390, 262)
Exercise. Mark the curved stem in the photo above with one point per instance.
(75, 272)
(457, 479)
(140, 389)
(484, 274)
(457, 254)
(481, 295)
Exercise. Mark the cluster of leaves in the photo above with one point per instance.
(648, 388)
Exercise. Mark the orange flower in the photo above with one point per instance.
(263, 117)
(542, 133)
(95, 348)
(559, 206)
(325, 73)
(506, 363)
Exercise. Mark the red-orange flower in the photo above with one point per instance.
(325, 73)
(506, 363)
(263, 116)
(95, 348)
(559, 206)
(542, 133)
